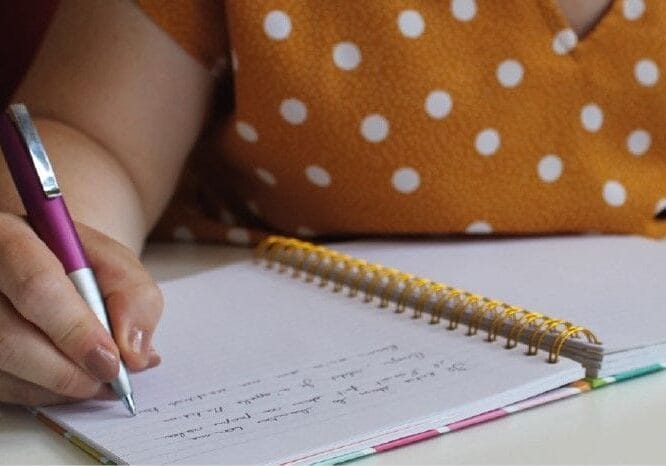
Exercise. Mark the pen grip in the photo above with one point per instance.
(48, 217)
(86, 284)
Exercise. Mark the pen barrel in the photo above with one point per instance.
(85, 283)
(48, 217)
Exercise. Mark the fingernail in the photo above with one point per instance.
(136, 340)
(154, 358)
(154, 361)
(102, 363)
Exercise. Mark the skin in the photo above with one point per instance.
(583, 15)
(118, 129)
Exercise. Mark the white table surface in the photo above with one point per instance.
(621, 423)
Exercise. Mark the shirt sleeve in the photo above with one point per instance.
(198, 26)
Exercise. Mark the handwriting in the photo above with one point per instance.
(184, 433)
(230, 420)
(251, 382)
(383, 388)
(347, 374)
(277, 417)
(216, 432)
(253, 398)
(330, 363)
(419, 355)
(314, 399)
(197, 397)
(316, 390)
(457, 367)
(416, 377)
(383, 349)
(154, 409)
(388, 378)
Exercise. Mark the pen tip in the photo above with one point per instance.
(128, 401)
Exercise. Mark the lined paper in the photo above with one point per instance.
(259, 367)
(613, 285)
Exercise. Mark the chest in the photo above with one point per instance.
(583, 15)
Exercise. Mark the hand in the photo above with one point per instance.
(52, 347)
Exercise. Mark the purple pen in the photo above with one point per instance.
(36, 183)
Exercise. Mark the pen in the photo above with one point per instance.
(38, 188)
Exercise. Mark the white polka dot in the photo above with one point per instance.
(406, 180)
(182, 233)
(638, 142)
(487, 141)
(614, 193)
(633, 9)
(411, 24)
(238, 235)
(661, 206)
(438, 104)
(305, 232)
(277, 25)
(479, 227)
(247, 131)
(463, 10)
(253, 208)
(318, 176)
(510, 73)
(227, 217)
(346, 55)
(564, 41)
(266, 176)
(592, 117)
(374, 128)
(293, 111)
(646, 72)
(234, 60)
(550, 168)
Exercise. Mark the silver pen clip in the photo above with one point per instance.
(21, 119)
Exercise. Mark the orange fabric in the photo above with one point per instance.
(197, 25)
(430, 117)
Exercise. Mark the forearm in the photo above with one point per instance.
(119, 106)
(98, 190)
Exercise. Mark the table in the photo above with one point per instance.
(621, 423)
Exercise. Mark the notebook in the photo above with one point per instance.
(262, 367)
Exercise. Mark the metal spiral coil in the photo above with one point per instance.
(420, 295)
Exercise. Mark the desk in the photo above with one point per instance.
(622, 423)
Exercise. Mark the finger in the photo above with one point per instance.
(105, 393)
(133, 300)
(155, 358)
(20, 392)
(34, 281)
(27, 354)
(133, 315)
(153, 361)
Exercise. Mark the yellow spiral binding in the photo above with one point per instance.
(421, 295)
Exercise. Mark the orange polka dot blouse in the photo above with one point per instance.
(422, 117)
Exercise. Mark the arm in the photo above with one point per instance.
(118, 106)
(112, 94)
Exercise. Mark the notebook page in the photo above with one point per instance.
(259, 367)
(613, 285)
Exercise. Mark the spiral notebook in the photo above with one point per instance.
(269, 367)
